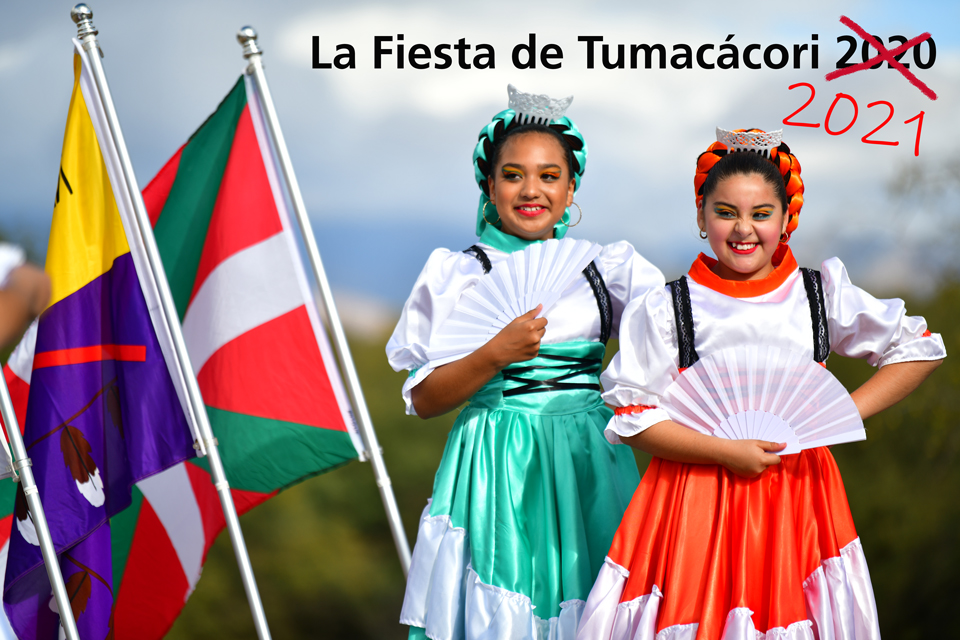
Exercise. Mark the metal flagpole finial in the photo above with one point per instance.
(83, 16)
(247, 37)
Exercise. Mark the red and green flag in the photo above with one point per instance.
(251, 325)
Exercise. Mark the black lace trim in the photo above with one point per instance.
(603, 300)
(818, 314)
(683, 314)
(481, 256)
(573, 367)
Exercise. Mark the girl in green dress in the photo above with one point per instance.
(529, 493)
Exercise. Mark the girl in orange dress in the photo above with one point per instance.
(725, 539)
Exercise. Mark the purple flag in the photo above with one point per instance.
(104, 409)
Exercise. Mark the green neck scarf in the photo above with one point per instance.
(507, 243)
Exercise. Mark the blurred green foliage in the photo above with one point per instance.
(903, 484)
(327, 568)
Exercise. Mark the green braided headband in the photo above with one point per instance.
(503, 122)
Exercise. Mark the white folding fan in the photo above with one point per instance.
(764, 393)
(537, 275)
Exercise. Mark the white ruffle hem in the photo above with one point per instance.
(839, 598)
(446, 597)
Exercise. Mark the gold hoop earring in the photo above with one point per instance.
(483, 214)
(578, 219)
(703, 234)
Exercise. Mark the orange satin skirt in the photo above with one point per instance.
(709, 555)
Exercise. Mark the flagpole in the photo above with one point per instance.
(247, 37)
(22, 463)
(86, 33)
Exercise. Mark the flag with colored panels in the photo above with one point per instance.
(16, 373)
(265, 368)
(105, 409)
(157, 544)
(18, 387)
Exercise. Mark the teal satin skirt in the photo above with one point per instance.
(532, 492)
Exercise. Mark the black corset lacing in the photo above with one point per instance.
(571, 366)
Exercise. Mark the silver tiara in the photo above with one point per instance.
(536, 108)
(759, 141)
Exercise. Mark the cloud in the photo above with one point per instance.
(391, 145)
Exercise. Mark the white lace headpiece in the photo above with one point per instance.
(536, 108)
(758, 141)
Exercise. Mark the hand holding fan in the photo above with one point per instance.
(538, 275)
(764, 393)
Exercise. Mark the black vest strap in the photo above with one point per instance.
(603, 300)
(818, 314)
(683, 315)
(481, 257)
(592, 275)
(684, 318)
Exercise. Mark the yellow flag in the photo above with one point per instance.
(86, 234)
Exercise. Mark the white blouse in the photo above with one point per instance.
(773, 311)
(11, 257)
(575, 316)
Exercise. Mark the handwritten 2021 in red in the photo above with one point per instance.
(868, 138)
(892, 57)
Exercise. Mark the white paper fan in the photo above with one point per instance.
(537, 275)
(764, 393)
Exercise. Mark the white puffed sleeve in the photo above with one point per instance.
(645, 365)
(628, 276)
(446, 275)
(879, 331)
(11, 257)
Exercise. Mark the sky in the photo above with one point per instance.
(383, 155)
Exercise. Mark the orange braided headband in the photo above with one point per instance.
(780, 156)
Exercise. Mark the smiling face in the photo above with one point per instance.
(531, 186)
(743, 219)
